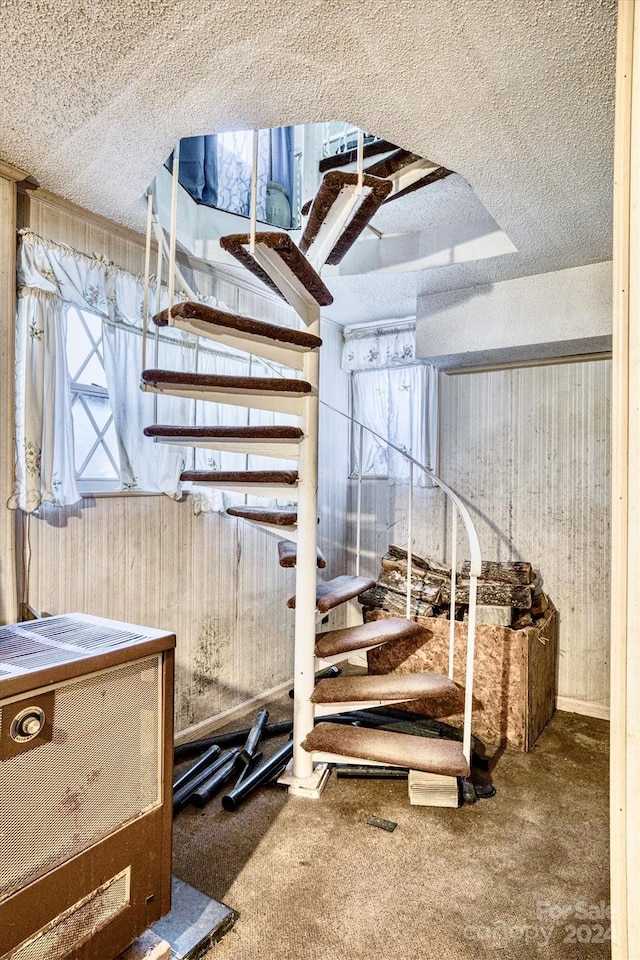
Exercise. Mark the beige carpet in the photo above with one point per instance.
(506, 878)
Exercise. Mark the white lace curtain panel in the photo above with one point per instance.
(394, 397)
(52, 276)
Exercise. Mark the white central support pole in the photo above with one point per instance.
(171, 279)
(454, 582)
(147, 272)
(306, 576)
(156, 351)
(410, 542)
(359, 505)
(360, 160)
(254, 192)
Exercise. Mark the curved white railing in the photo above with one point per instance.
(474, 553)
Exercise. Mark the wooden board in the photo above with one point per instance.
(514, 689)
(505, 571)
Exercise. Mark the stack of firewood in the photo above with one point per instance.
(501, 583)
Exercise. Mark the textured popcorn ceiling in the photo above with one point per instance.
(515, 95)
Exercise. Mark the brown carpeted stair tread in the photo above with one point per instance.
(351, 156)
(253, 328)
(327, 195)
(393, 163)
(438, 174)
(356, 225)
(224, 433)
(385, 686)
(289, 477)
(288, 554)
(279, 518)
(215, 381)
(334, 592)
(401, 750)
(283, 245)
(335, 642)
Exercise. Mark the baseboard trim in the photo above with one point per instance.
(597, 710)
(205, 727)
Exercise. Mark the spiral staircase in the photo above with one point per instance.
(342, 208)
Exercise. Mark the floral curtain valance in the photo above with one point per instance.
(380, 348)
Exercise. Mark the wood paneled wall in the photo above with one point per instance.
(212, 579)
(528, 449)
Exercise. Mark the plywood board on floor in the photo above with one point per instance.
(515, 674)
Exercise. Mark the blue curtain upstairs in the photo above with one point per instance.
(218, 175)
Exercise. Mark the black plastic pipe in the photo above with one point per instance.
(210, 787)
(247, 756)
(354, 771)
(182, 796)
(234, 739)
(257, 777)
(253, 738)
(201, 763)
(250, 763)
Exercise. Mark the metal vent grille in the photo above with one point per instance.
(39, 644)
(75, 926)
(101, 770)
(91, 635)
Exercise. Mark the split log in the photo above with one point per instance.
(422, 588)
(400, 567)
(539, 605)
(424, 563)
(502, 571)
(381, 598)
(491, 594)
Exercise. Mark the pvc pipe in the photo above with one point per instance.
(360, 160)
(200, 764)
(354, 771)
(234, 739)
(260, 775)
(210, 787)
(182, 797)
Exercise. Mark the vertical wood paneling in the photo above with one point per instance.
(529, 451)
(8, 579)
(211, 579)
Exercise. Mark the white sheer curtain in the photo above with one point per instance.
(395, 397)
(399, 404)
(44, 465)
(51, 276)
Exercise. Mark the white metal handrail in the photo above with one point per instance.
(475, 557)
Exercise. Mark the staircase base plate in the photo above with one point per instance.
(309, 787)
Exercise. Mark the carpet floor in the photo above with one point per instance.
(522, 875)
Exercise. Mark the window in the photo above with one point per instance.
(398, 404)
(94, 436)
